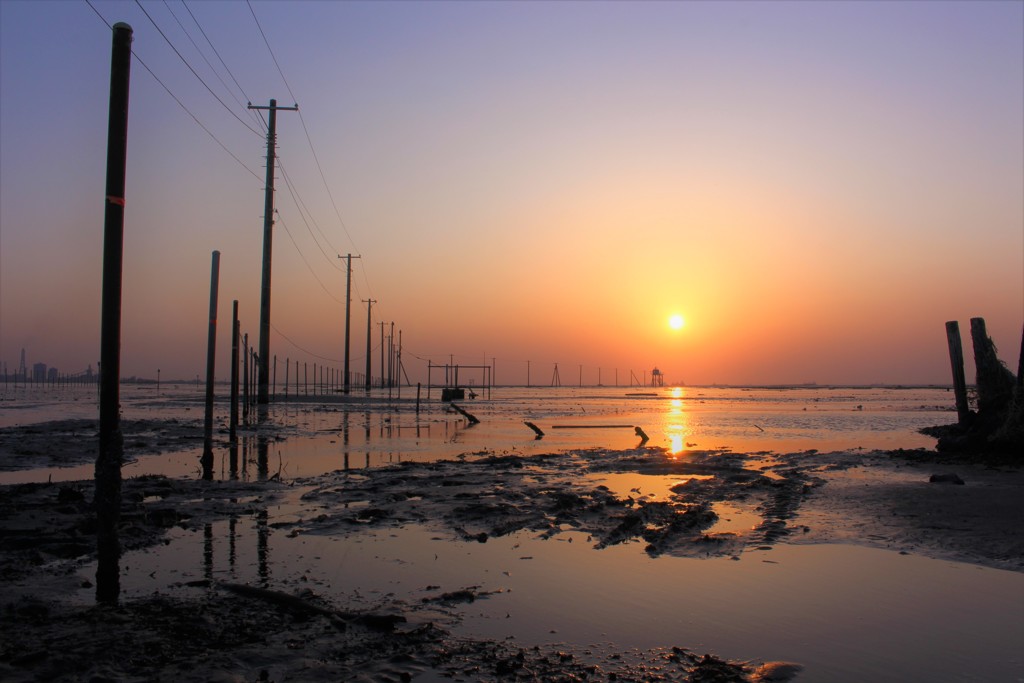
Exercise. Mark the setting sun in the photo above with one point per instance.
(676, 322)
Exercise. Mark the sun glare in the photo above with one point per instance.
(676, 322)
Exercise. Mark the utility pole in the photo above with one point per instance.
(263, 397)
(382, 354)
(369, 307)
(348, 310)
(391, 356)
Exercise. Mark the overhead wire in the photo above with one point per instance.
(302, 256)
(306, 351)
(303, 211)
(234, 80)
(179, 102)
(194, 72)
(300, 205)
(305, 129)
(202, 54)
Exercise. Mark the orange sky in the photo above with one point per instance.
(816, 187)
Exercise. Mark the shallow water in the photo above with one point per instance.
(331, 432)
(844, 612)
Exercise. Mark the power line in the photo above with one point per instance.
(301, 205)
(201, 53)
(305, 129)
(180, 103)
(267, 43)
(312, 272)
(194, 73)
(306, 351)
(256, 116)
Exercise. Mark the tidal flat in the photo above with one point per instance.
(425, 555)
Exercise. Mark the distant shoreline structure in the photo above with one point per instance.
(543, 387)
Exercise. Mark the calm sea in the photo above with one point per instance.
(312, 433)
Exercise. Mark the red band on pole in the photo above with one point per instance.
(115, 200)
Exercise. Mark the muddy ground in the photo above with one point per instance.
(231, 632)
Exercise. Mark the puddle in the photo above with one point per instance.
(844, 612)
(732, 519)
(645, 487)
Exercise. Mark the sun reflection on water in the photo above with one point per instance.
(676, 427)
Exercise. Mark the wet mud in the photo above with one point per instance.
(497, 496)
(285, 630)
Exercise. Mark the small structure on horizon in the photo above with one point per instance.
(657, 378)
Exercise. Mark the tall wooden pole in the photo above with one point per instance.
(348, 315)
(369, 307)
(111, 446)
(245, 378)
(234, 372)
(263, 377)
(211, 355)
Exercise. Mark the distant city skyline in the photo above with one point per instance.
(37, 371)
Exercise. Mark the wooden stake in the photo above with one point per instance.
(956, 359)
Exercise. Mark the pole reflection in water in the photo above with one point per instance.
(262, 448)
(245, 456)
(344, 428)
(233, 461)
(262, 547)
(208, 551)
(232, 530)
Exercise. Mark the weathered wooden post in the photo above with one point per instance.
(994, 381)
(111, 446)
(956, 359)
(211, 355)
(233, 437)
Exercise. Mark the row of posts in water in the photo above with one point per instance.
(322, 380)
